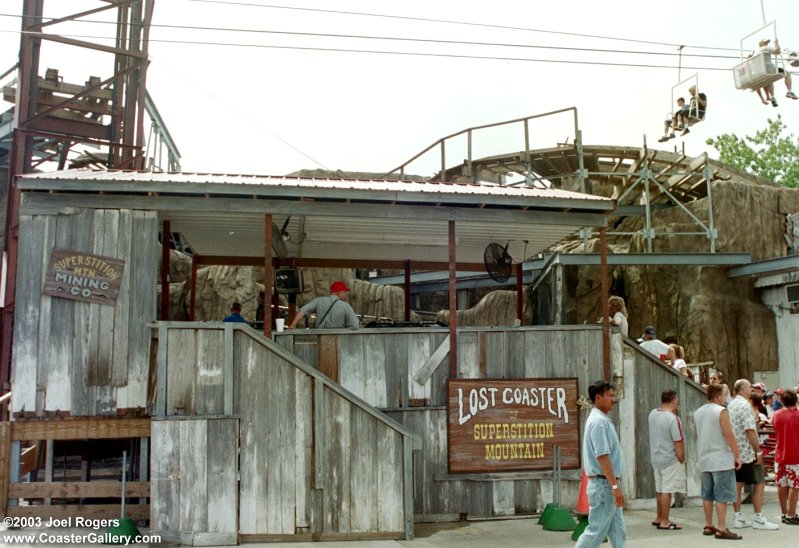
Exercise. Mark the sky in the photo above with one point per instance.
(273, 110)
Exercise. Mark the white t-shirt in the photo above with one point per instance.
(680, 364)
(657, 348)
(619, 318)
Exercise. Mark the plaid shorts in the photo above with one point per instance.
(786, 475)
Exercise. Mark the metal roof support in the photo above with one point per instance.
(649, 232)
(581, 173)
(453, 304)
(268, 276)
(603, 250)
(520, 293)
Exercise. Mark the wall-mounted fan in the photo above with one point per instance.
(498, 262)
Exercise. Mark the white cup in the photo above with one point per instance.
(279, 324)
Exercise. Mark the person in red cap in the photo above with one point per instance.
(332, 312)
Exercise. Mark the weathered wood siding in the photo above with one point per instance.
(314, 459)
(76, 357)
(651, 377)
(194, 494)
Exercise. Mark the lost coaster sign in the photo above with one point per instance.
(512, 425)
(83, 277)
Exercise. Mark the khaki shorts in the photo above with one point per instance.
(671, 479)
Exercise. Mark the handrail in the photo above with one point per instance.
(440, 142)
(5, 398)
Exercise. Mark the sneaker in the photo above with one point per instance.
(672, 136)
(741, 522)
(760, 522)
(792, 521)
(686, 131)
(680, 128)
(663, 139)
(773, 102)
(791, 95)
(784, 518)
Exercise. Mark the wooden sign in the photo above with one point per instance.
(83, 277)
(500, 425)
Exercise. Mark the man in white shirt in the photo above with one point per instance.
(656, 347)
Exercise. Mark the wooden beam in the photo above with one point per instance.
(78, 489)
(453, 304)
(5, 463)
(80, 429)
(193, 305)
(292, 262)
(166, 237)
(268, 276)
(407, 287)
(603, 250)
(520, 293)
(88, 511)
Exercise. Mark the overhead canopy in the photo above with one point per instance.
(344, 220)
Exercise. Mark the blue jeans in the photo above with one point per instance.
(604, 519)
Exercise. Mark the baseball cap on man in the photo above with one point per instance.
(759, 385)
(338, 286)
(650, 330)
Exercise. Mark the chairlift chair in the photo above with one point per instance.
(694, 115)
(759, 70)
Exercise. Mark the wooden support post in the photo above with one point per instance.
(407, 291)
(520, 293)
(603, 258)
(269, 275)
(166, 237)
(48, 466)
(5, 464)
(144, 459)
(193, 305)
(13, 468)
(453, 308)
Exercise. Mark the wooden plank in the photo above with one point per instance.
(43, 364)
(319, 434)
(254, 432)
(143, 267)
(536, 354)
(209, 387)
(338, 474)
(338, 537)
(502, 498)
(229, 371)
(468, 366)
(162, 367)
(99, 366)
(209, 539)
(5, 464)
(182, 359)
(396, 367)
(364, 494)
(26, 320)
(351, 364)
(88, 511)
(121, 311)
(305, 348)
(71, 490)
(374, 370)
(193, 475)
(222, 465)
(438, 382)
(418, 353)
(496, 355)
(285, 399)
(82, 400)
(303, 448)
(327, 356)
(438, 356)
(80, 429)
(60, 339)
(165, 473)
(390, 468)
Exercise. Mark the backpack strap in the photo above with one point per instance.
(319, 322)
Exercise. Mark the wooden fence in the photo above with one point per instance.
(316, 461)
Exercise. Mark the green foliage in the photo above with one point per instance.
(769, 154)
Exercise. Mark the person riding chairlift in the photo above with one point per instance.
(769, 51)
(685, 115)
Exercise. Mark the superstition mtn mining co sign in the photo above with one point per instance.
(83, 277)
(512, 425)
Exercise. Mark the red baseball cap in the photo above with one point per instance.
(338, 286)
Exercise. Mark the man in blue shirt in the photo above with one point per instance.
(235, 314)
(604, 465)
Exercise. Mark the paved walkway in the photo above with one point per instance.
(527, 533)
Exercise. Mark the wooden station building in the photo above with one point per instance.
(307, 434)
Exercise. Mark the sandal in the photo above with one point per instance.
(671, 527)
(709, 530)
(657, 523)
(726, 534)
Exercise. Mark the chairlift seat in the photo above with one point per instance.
(756, 72)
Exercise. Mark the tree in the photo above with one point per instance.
(769, 154)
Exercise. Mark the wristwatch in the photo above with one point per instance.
(614, 486)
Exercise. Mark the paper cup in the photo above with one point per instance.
(279, 324)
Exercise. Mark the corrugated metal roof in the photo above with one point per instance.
(369, 220)
(147, 181)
